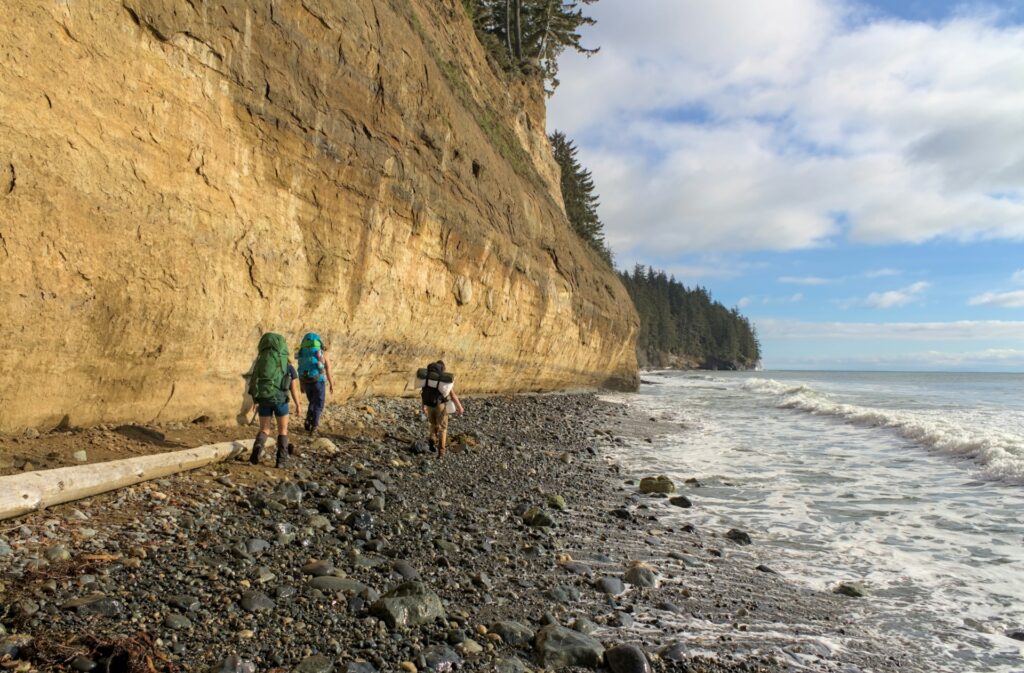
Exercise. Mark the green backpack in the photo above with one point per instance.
(269, 382)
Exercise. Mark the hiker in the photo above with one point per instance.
(272, 379)
(314, 377)
(438, 397)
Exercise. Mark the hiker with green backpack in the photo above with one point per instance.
(272, 379)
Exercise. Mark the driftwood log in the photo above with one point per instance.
(30, 491)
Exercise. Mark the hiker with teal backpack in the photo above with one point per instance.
(272, 379)
(314, 377)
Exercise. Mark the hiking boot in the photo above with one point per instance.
(282, 451)
(257, 448)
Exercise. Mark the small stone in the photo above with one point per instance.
(739, 537)
(234, 664)
(316, 663)
(469, 646)
(765, 569)
(659, 484)
(94, 604)
(80, 456)
(641, 575)
(376, 504)
(612, 586)
(680, 501)
(177, 622)
(359, 521)
(318, 568)
(256, 546)
(83, 664)
(851, 589)
(538, 518)
(333, 585)
(324, 445)
(5, 548)
(57, 553)
(557, 502)
(408, 666)
(627, 659)
(510, 665)
(406, 570)
(514, 634)
(674, 652)
(1016, 634)
(565, 458)
(319, 522)
(257, 601)
(183, 602)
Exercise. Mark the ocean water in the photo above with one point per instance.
(911, 484)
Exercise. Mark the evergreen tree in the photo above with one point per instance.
(529, 35)
(578, 192)
(679, 322)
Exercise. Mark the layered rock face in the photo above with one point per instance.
(179, 176)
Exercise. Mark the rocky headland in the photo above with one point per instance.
(527, 548)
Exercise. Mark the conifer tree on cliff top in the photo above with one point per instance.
(578, 193)
(528, 35)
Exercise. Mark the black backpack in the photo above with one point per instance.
(430, 396)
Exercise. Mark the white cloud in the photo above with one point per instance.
(743, 302)
(981, 330)
(988, 359)
(895, 298)
(805, 280)
(1018, 277)
(786, 125)
(882, 273)
(1012, 299)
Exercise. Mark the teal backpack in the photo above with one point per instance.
(310, 357)
(269, 382)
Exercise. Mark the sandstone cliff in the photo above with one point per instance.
(178, 176)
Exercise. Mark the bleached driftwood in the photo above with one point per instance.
(30, 491)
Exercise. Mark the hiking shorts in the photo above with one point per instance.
(278, 410)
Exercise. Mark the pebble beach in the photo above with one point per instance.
(526, 548)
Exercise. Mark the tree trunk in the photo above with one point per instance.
(508, 29)
(519, 31)
(30, 491)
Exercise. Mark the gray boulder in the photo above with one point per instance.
(408, 604)
(559, 647)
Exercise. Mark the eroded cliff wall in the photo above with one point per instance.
(178, 176)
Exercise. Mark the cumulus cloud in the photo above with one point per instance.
(797, 123)
(1012, 299)
(895, 298)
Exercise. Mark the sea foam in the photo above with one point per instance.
(999, 454)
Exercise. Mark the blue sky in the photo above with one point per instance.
(850, 174)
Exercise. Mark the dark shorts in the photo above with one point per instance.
(278, 410)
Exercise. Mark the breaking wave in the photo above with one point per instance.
(1000, 454)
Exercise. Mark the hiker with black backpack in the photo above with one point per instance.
(314, 377)
(437, 395)
(272, 379)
